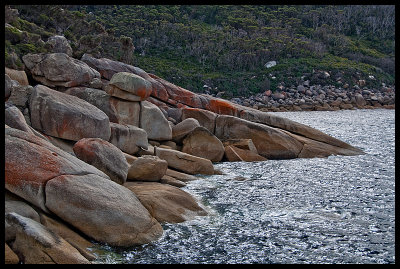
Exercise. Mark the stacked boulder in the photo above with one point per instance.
(98, 149)
(321, 98)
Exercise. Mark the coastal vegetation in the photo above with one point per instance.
(224, 47)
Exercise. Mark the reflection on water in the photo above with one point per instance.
(338, 209)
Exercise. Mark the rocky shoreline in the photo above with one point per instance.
(96, 149)
(320, 98)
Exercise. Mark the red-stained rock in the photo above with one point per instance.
(129, 83)
(30, 162)
(104, 156)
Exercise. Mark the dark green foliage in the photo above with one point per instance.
(227, 46)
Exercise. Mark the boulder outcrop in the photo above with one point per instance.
(58, 69)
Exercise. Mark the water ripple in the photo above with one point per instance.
(322, 210)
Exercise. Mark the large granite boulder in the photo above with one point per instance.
(38, 245)
(202, 143)
(165, 202)
(129, 86)
(17, 75)
(180, 130)
(98, 98)
(59, 44)
(30, 162)
(185, 162)
(58, 69)
(101, 209)
(128, 138)
(153, 121)
(66, 116)
(104, 156)
(270, 142)
(204, 117)
(147, 168)
(14, 118)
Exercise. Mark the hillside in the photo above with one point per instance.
(225, 47)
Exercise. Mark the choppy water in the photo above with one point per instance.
(322, 210)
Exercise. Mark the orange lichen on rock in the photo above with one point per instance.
(143, 93)
(222, 107)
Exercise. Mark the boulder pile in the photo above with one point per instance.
(96, 149)
(321, 98)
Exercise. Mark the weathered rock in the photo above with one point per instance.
(58, 69)
(127, 112)
(246, 144)
(270, 142)
(235, 154)
(202, 143)
(101, 209)
(59, 44)
(73, 238)
(115, 91)
(147, 168)
(174, 113)
(180, 176)
(131, 83)
(19, 95)
(172, 181)
(153, 121)
(98, 98)
(66, 116)
(21, 208)
(129, 158)
(185, 162)
(165, 202)
(38, 245)
(292, 126)
(9, 255)
(360, 102)
(204, 117)
(30, 162)
(9, 84)
(183, 128)
(14, 118)
(312, 148)
(17, 75)
(128, 138)
(104, 156)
